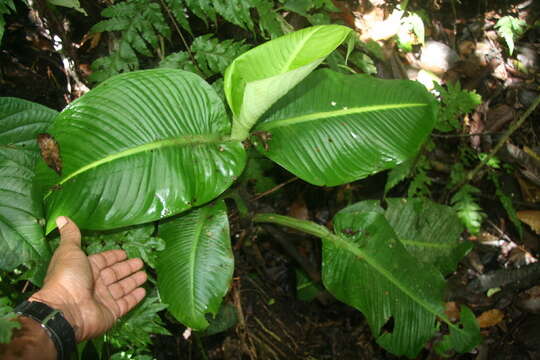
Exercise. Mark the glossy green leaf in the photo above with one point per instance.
(140, 147)
(367, 267)
(21, 121)
(22, 238)
(461, 341)
(376, 275)
(195, 269)
(333, 128)
(430, 231)
(259, 77)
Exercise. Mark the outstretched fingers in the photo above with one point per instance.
(118, 271)
(123, 287)
(129, 301)
(107, 258)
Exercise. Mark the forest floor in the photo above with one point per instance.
(272, 322)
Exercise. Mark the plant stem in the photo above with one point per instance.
(274, 189)
(301, 225)
(515, 125)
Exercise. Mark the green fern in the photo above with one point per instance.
(212, 56)
(455, 103)
(140, 24)
(510, 28)
(133, 333)
(7, 325)
(317, 12)
(419, 186)
(467, 208)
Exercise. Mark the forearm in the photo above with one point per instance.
(31, 341)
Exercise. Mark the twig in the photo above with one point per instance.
(513, 127)
(274, 189)
(180, 33)
(464, 135)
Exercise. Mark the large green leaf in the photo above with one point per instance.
(366, 266)
(334, 128)
(195, 269)
(430, 231)
(22, 238)
(21, 121)
(140, 147)
(259, 77)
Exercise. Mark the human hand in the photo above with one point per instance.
(91, 291)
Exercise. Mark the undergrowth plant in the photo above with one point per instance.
(158, 146)
(143, 28)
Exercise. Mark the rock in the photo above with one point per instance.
(437, 57)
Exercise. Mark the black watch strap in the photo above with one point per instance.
(58, 328)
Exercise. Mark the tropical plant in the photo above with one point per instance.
(147, 145)
(510, 28)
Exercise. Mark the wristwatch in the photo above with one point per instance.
(57, 327)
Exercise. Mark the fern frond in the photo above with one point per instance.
(177, 9)
(467, 209)
(236, 12)
(213, 56)
(419, 186)
(203, 9)
(269, 20)
(178, 60)
(139, 21)
(510, 28)
(7, 323)
(122, 60)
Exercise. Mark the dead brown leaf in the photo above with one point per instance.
(490, 318)
(50, 152)
(451, 309)
(531, 218)
(529, 191)
(299, 209)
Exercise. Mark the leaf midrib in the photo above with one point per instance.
(193, 256)
(427, 244)
(177, 141)
(359, 253)
(335, 113)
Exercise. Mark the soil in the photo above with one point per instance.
(273, 323)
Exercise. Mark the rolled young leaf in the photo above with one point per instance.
(259, 77)
(140, 147)
(333, 128)
(195, 269)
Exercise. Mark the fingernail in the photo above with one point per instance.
(61, 221)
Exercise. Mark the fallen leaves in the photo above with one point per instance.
(490, 318)
(531, 218)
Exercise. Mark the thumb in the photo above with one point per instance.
(69, 232)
